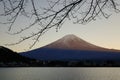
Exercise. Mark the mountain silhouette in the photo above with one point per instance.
(7, 55)
(72, 48)
(73, 42)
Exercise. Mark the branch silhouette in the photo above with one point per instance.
(55, 14)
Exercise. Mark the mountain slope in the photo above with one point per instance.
(70, 55)
(72, 42)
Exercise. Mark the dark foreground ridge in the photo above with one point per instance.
(8, 58)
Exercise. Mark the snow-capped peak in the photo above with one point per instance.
(75, 43)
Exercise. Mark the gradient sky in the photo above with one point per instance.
(102, 32)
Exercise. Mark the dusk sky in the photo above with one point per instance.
(102, 32)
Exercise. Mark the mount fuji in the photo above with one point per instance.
(72, 48)
(72, 42)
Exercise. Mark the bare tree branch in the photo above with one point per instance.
(55, 14)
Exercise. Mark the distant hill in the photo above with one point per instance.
(72, 48)
(7, 55)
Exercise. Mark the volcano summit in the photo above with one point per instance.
(73, 42)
